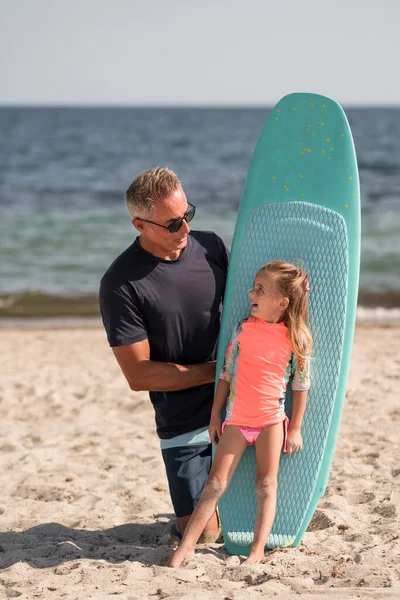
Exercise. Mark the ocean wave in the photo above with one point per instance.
(383, 167)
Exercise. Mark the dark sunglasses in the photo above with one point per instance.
(176, 225)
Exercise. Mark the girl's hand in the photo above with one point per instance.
(294, 441)
(215, 430)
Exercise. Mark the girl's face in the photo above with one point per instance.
(266, 302)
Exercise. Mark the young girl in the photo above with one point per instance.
(266, 349)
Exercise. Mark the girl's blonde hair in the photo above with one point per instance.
(292, 282)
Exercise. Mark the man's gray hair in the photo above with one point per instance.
(148, 187)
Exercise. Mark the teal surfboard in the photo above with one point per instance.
(301, 201)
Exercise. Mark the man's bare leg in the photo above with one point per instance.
(229, 451)
(210, 533)
(268, 451)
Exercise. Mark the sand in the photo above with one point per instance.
(84, 506)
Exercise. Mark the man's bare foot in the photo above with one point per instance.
(178, 557)
(254, 557)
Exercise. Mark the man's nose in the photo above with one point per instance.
(185, 227)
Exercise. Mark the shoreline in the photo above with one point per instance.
(365, 316)
(36, 304)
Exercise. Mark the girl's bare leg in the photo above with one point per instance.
(268, 451)
(229, 451)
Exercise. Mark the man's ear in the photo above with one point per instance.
(138, 224)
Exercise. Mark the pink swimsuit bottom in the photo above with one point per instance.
(251, 434)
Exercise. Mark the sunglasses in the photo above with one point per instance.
(177, 224)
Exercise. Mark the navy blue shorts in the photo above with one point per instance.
(187, 470)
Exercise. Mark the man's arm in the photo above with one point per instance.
(143, 374)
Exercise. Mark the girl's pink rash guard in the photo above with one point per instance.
(259, 362)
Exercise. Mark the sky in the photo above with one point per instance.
(198, 52)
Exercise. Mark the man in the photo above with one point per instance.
(160, 302)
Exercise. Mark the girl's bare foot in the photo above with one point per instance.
(178, 557)
(254, 557)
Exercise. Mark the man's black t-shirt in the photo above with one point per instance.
(176, 305)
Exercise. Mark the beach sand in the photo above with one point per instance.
(84, 506)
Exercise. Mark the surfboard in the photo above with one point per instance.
(301, 201)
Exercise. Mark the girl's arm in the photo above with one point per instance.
(223, 387)
(221, 394)
(300, 387)
(299, 401)
(295, 440)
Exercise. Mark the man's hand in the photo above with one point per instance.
(215, 430)
(294, 441)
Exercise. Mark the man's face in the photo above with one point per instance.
(159, 240)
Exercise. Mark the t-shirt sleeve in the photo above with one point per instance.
(301, 376)
(230, 358)
(122, 315)
(225, 254)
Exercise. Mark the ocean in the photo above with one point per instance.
(63, 173)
